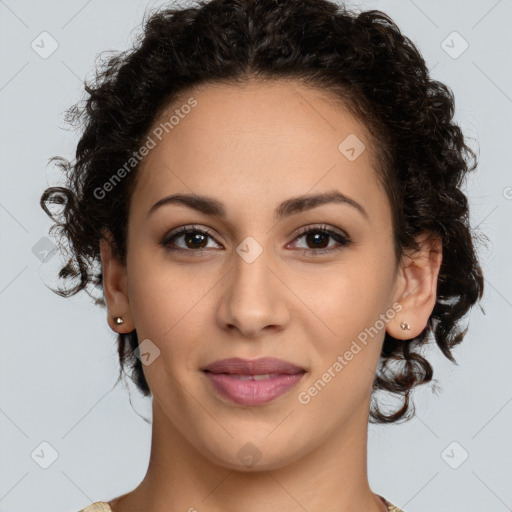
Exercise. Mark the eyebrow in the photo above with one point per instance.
(210, 206)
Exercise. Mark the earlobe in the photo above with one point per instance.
(417, 294)
(114, 286)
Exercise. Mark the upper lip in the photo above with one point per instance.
(263, 365)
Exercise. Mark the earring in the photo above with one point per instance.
(405, 326)
(118, 320)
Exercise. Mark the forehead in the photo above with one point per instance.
(255, 144)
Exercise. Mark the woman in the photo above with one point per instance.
(268, 194)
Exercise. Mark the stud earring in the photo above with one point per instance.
(405, 326)
(119, 320)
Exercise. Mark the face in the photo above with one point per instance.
(315, 284)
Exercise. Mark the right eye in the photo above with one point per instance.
(193, 237)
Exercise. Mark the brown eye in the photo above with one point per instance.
(196, 239)
(193, 239)
(317, 240)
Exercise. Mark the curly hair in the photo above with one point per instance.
(421, 157)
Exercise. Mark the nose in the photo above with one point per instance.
(254, 298)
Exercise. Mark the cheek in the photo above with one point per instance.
(350, 305)
(161, 294)
(349, 352)
(346, 298)
(162, 306)
(170, 305)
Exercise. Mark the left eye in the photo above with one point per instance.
(317, 236)
(196, 238)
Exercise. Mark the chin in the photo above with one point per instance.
(250, 457)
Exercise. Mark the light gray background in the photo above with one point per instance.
(59, 361)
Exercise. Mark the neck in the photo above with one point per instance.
(179, 477)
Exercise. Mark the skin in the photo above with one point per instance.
(252, 147)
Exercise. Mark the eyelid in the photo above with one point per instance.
(319, 227)
(342, 238)
(188, 228)
(328, 230)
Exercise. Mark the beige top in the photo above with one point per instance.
(101, 506)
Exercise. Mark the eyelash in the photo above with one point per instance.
(343, 240)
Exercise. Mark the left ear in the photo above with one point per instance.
(416, 286)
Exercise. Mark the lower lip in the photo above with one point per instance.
(253, 392)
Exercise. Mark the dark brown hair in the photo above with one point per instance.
(363, 58)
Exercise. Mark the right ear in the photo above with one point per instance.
(114, 286)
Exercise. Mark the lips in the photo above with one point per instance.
(253, 382)
(261, 366)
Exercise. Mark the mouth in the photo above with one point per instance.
(256, 376)
(253, 382)
(253, 367)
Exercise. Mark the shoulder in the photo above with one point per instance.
(101, 506)
(391, 507)
(98, 506)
